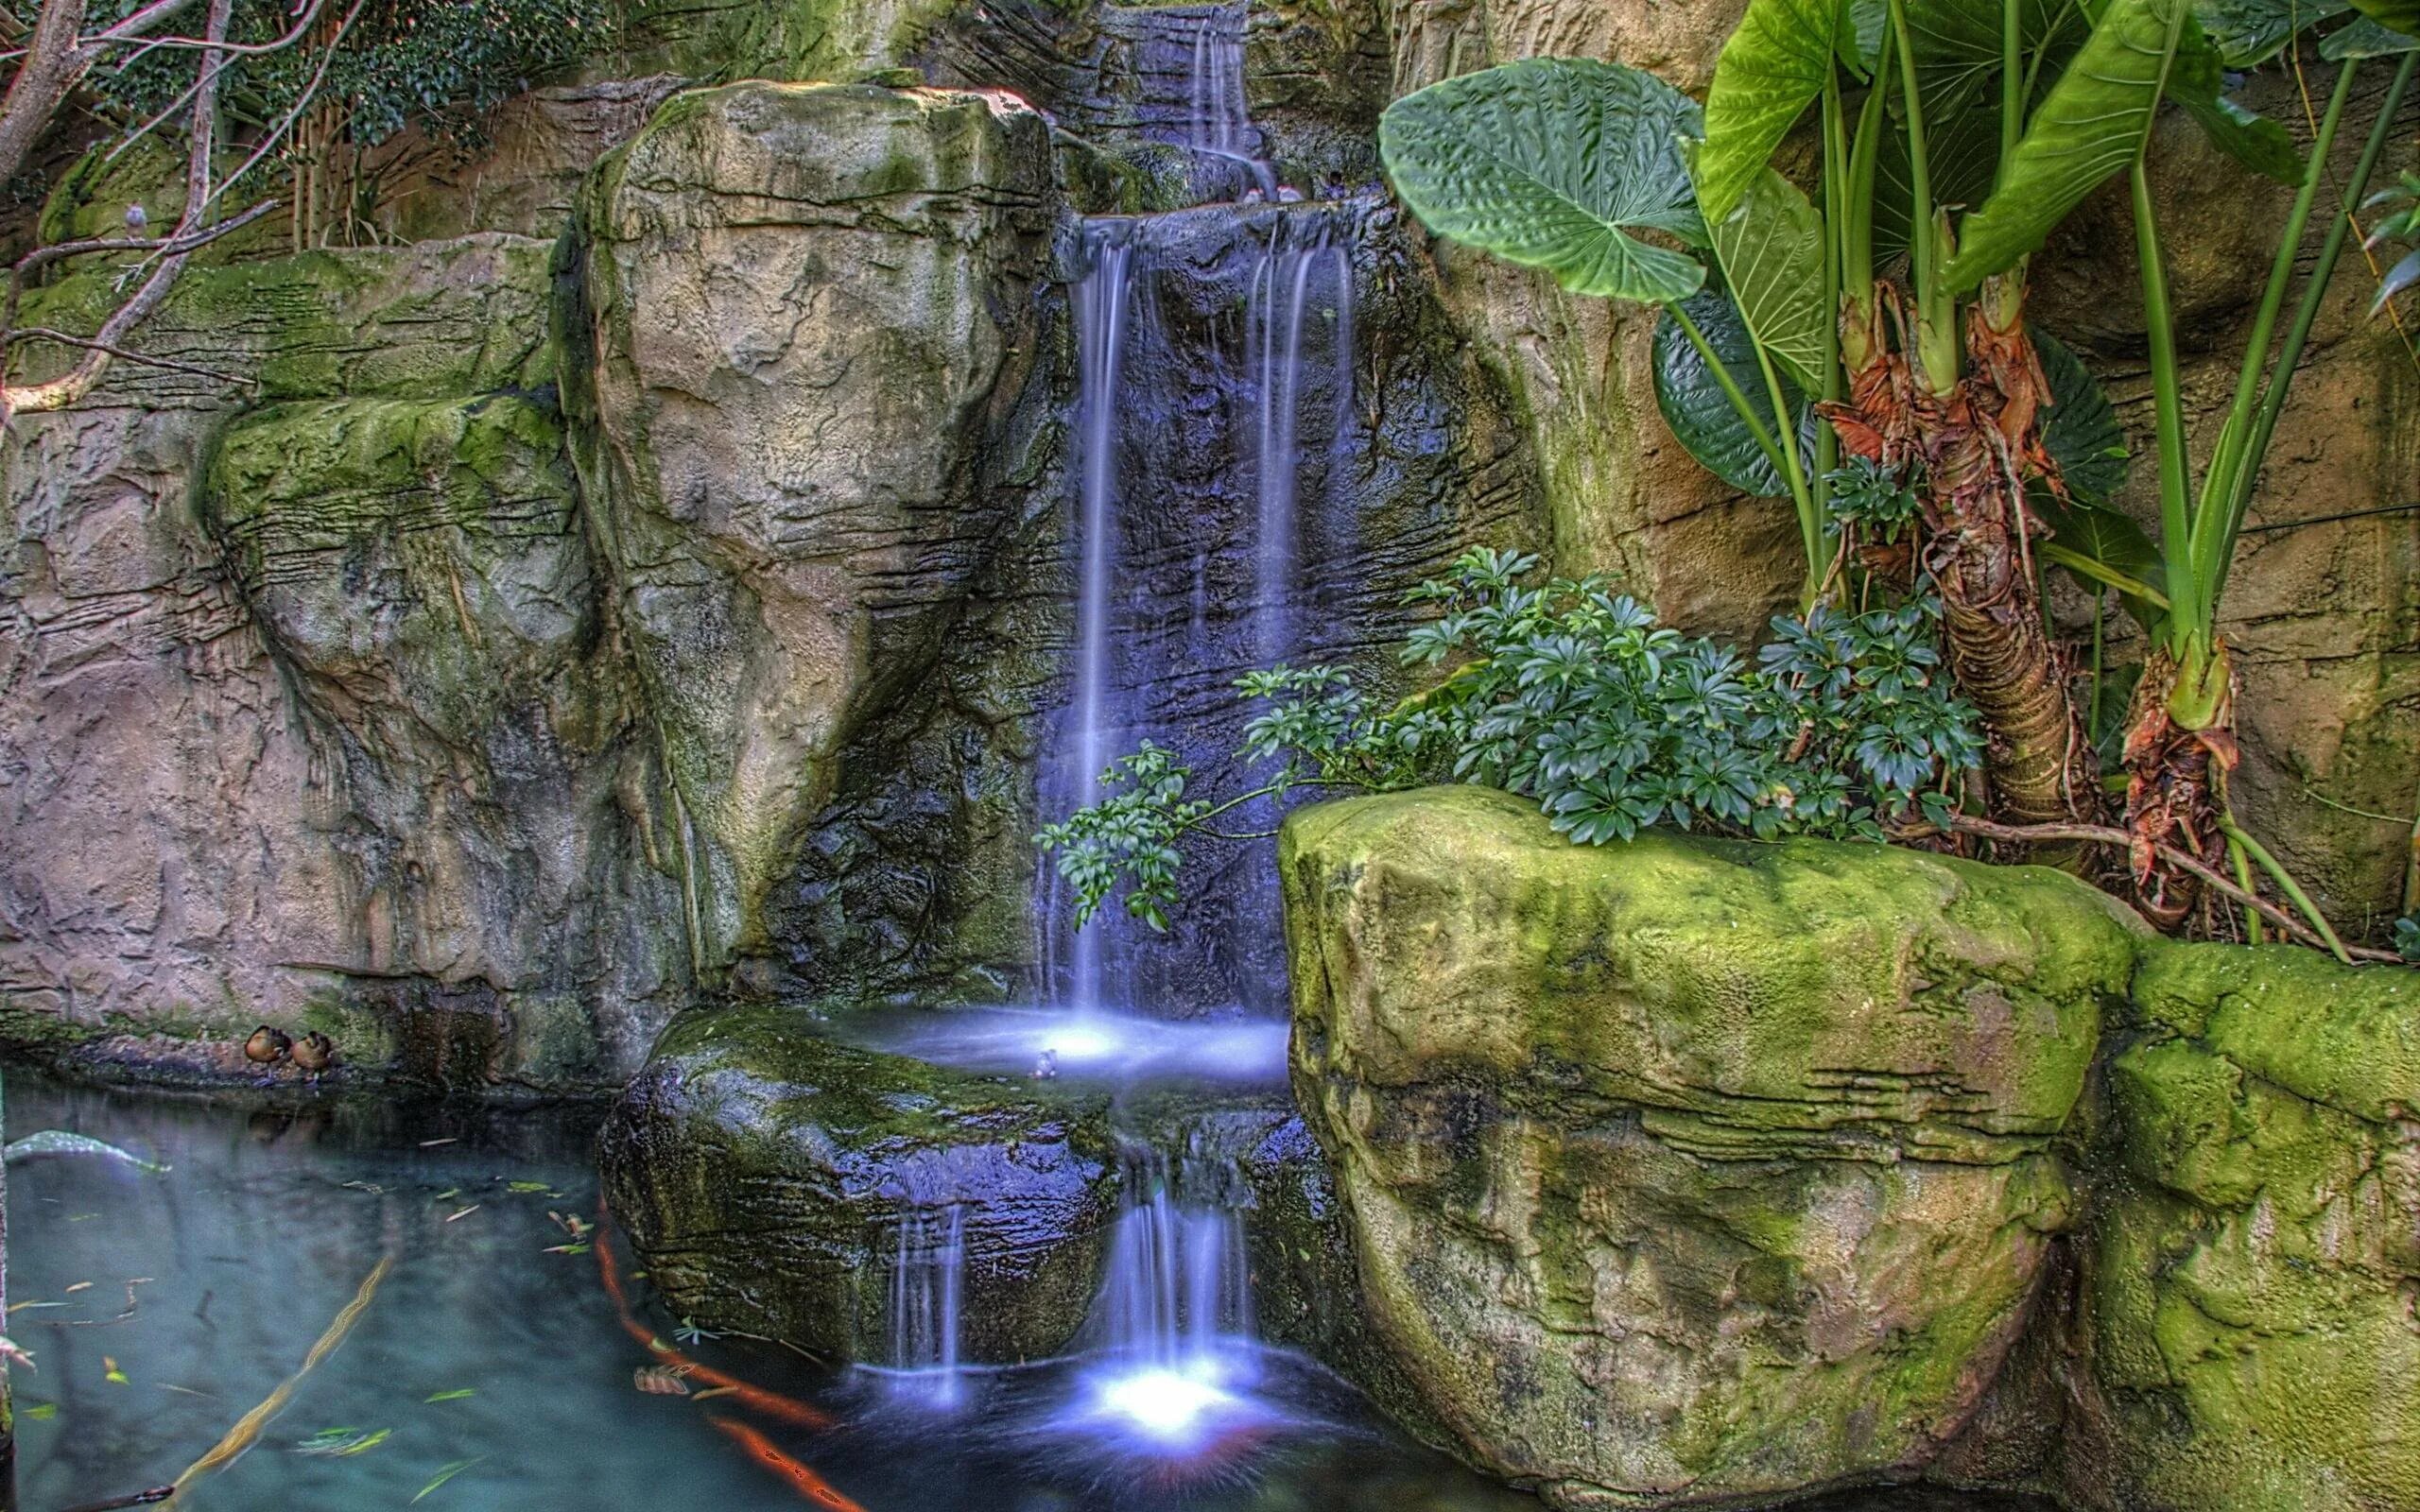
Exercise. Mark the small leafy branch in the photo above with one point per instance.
(1574, 696)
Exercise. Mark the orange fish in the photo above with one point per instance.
(802, 1480)
(771, 1404)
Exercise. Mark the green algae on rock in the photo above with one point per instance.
(763, 1173)
(2249, 1334)
(1689, 1169)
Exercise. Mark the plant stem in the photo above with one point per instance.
(2100, 613)
(2230, 457)
(1827, 444)
(2011, 83)
(1919, 165)
(1730, 388)
(2286, 883)
(2242, 865)
(2185, 616)
(2273, 402)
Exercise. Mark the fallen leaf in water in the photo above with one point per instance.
(79, 1286)
(186, 1391)
(430, 1145)
(712, 1392)
(43, 1412)
(464, 1214)
(661, 1380)
(335, 1443)
(19, 1307)
(15, 1353)
(371, 1187)
(447, 1195)
(446, 1474)
(113, 1372)
(455, 1395)
(565, 1249)
(527, 1187)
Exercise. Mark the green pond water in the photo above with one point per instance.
(492, 1371)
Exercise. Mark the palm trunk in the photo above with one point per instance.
(1975, 444)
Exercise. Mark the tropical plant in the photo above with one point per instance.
(2024, 105)
(1572, 695)
(2180, 732)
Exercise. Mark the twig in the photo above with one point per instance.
(2330, 519)
(240, 1438)
(2109, 834)
(157, 1493)
(41, 332)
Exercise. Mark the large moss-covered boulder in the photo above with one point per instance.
(808, 316)
(2250, 1287)
(307, 709)
(765, 1173)
(1685, 1170)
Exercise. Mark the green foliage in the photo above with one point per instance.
(1770, 246)
(1698, 407)
(1553, 162)
(2091, 125)
(436, 63)
(2407, 939)
(1572, 695)
(2401, 223)
(1772, 67)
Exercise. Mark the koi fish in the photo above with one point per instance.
(802, 1480)
(771, 1404)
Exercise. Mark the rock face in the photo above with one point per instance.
(1687, 1170)
(808, 314)
(764, 1176)
(301, 716)
(2250, 1283)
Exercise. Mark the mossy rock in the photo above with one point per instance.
(764, 1174)
(1688, 1170)
(2251, 1339)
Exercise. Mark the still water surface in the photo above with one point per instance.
(161, 1308)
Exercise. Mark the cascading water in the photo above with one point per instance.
(927, 1279)
(1217, 123)
(1215, 427)
(1172, 1328)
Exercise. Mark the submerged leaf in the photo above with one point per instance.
(1553, 162)
(444, 1475)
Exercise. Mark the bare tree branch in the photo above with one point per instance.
(59, 392)
(2109, 834)
(55, 62)
(42, 333)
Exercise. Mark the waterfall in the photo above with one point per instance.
(1218, 123)
(1177, 1290)
(1291, 269)
(927, 1278)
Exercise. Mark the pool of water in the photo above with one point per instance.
(494, 1368)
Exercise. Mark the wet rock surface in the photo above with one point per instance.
(806, 317)
(2247, 1335)
(764, 1174)
(301, 716)
(1686, 1170)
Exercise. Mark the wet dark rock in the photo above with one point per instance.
(763, 1173)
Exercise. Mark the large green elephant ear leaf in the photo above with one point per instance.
(1770, 247)
(1554, 162)
(2366, 39)
(2198, 82)
(1698, 412)
(1772, 68)
(2395, 15)
(2089, 125)
(2250, 32)
(2079, 430)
